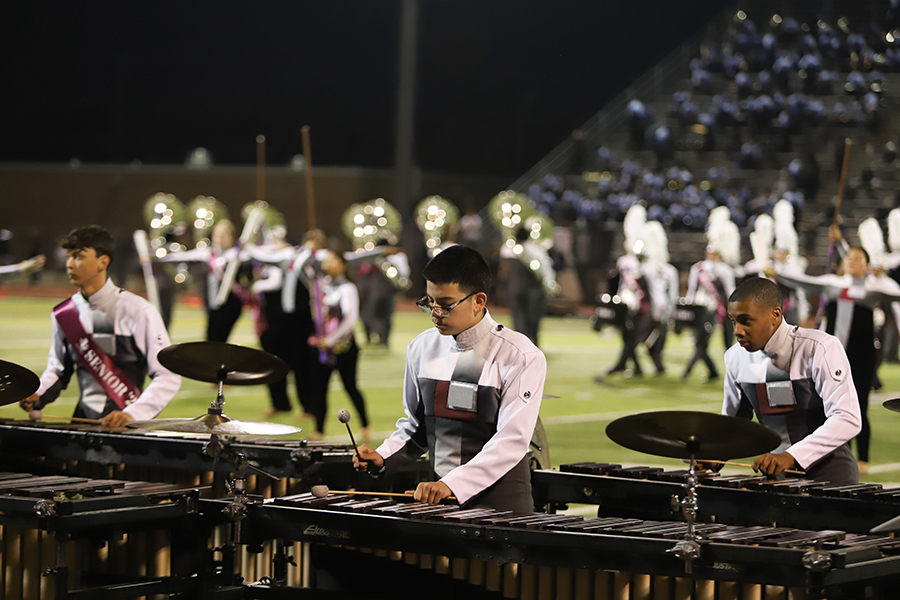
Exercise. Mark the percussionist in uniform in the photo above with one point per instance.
(108, 337)
(472, 393)
(797, 381)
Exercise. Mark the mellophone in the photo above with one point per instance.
(646, 492)
(544, 555)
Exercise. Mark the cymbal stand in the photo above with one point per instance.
(688, 549)
(219, 403)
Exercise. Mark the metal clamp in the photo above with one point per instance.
(817, 561)
(45, 508)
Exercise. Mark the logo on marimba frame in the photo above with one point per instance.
(322, 532)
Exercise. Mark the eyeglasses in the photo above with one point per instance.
(428, 306)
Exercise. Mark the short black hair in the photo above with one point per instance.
(90, 236)
(461, 265)
(759, 291)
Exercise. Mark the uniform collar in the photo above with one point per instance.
(780, 346)
(468, 339)
(102, 298)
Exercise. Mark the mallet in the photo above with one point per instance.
(344, 417)
(321, 491)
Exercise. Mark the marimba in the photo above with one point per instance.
(92, 451)
(564, 556)
(75, 537)
(646, 492)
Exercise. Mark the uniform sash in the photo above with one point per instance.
(101, 367)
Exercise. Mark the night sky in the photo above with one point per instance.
(500, 83)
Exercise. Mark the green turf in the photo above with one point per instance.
(575, 421)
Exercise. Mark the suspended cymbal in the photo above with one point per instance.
(16, 382)
(679, 434)
(893, 404)
(216, 361)
(217, 424)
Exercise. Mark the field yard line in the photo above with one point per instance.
(884, 468)
(610, 416)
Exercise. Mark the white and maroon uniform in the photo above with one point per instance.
(472, 400)
(800, 385)
(131, 332)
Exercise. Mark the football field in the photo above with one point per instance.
(575, 420)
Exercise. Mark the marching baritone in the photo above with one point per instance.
(109, 338)
(472, 392)
(796, 381)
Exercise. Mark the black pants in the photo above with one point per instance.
(862, 368)
(285, 337)
(376, 311)
(657, 341)
(220, 321)
(345, 363)
(528, 308)
(702, 334)
(641, 326)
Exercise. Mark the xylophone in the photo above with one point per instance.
(75, 537)
(567, 556)
(646, 492)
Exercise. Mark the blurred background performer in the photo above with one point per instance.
(165, 216)
(284, 321)
(379, 281)
(775, 240)
(375, 229)
(851, 299)
(530, 278)
(662, 279)
(710, 283)
(884, 316)
(215, 237)
(108, 337)
(633, 290)
(340, 301)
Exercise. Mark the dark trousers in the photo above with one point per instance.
(285, 336)
(221, 321)
(702, 335)
(345, 363)
(657, 340)
(641, 326)
(376, 311)
(528, 308)
(863, 371)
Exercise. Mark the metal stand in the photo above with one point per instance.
(688, 549)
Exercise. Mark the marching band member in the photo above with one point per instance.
(472, 393)
(775, 240)
(851, 299)
(340, 301)
(662, 280)
(526, 294)
(633, 290)
(710, 283)
(221, 318)
(796, 381)
(378, 282)
(108, 337)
